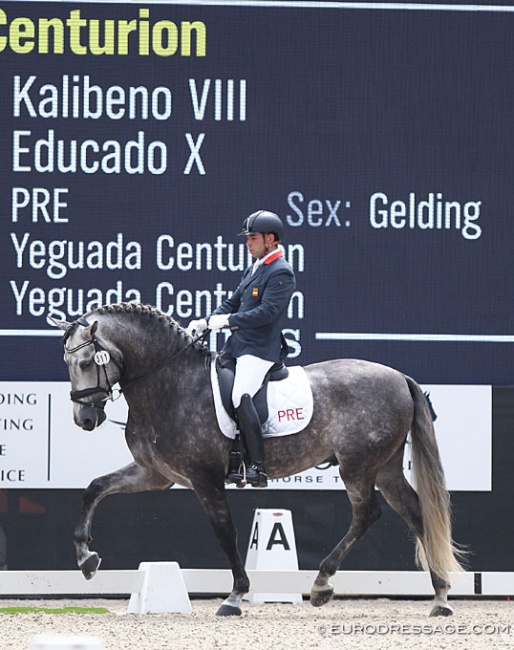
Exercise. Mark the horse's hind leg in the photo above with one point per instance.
(132, 478)
(403, 499)
(366, 510)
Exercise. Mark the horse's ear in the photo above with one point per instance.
(61, 324)
(90, 330)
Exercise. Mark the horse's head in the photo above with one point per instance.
(92, 370)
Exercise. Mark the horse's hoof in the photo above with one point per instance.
(90, 566)
(229, 610)
(441, 610)
(320, 598)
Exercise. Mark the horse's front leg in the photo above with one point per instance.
(132, 478)
(213, 498)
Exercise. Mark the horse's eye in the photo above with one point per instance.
(84, 365)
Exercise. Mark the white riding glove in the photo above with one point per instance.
(218, 321)
(197, 327)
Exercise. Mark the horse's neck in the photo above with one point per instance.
(162, 367)
(145, 344)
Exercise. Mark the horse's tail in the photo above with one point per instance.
(438, 551)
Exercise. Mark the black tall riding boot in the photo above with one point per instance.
(252, 434)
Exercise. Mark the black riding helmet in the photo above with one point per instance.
(263, 221)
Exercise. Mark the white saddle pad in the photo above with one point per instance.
(290, 405)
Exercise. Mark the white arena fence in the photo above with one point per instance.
(219, 582)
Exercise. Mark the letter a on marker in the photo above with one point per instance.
(255, 536)
(277, 536)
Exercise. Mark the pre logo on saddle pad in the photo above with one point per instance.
(290, 405)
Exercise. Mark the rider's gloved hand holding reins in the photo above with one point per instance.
(197, 327)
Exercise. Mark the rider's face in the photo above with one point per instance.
(258, 244)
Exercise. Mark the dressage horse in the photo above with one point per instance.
(363, 412)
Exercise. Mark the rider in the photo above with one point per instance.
(255, 314)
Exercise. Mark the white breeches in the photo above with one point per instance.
(250, 373)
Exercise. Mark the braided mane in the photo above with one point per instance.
(139, 309)
(150, 312)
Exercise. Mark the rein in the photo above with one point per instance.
(103, 357)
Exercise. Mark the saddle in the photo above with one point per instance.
(226, 368)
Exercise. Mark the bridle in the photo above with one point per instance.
(101, 358)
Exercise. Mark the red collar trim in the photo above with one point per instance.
(274, 257)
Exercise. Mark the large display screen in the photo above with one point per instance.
(136, 138)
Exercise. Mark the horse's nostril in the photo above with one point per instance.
(88, 424)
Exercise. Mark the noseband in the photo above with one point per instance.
(101, 358)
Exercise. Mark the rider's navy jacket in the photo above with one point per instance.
(258, 310)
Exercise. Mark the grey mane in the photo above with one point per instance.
(150, 314)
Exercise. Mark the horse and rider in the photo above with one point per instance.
(362, 415)
(255, 314)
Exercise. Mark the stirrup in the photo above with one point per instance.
(254, 476)
(239, 478)
(236, 470)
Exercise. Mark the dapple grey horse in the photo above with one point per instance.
(363, 413)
